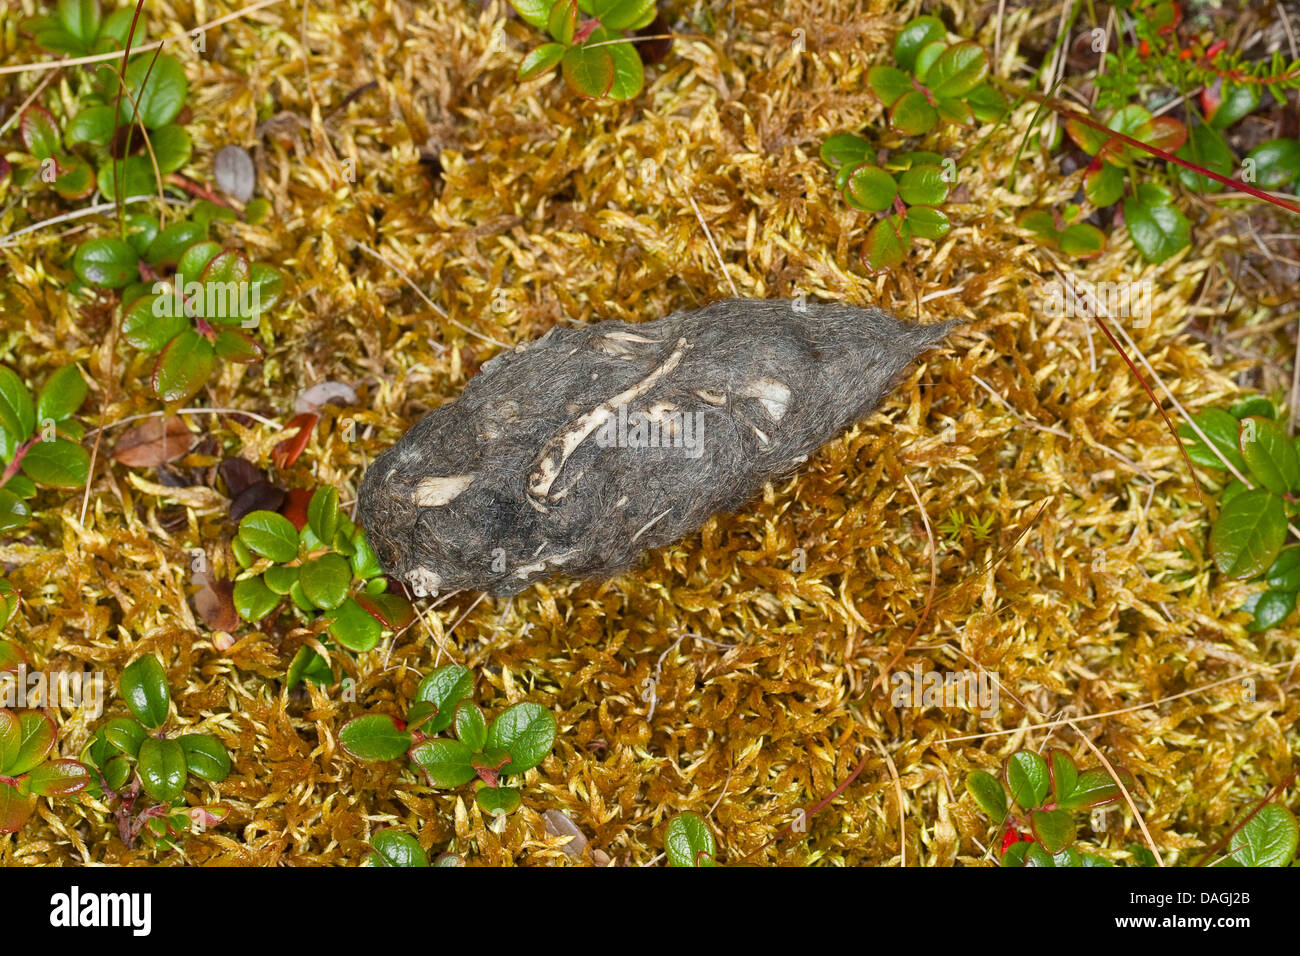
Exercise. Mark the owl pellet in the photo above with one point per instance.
(574, 454)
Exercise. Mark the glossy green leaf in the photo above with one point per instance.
(162, 769)
(170, 244)
(1235, 101)
(1223, 430)
(927, 222)
(840, 149)
(446, 763)
(76, 180)
(183, 367)
(172, 147)
(1284, 574)
(58, 778)
(15, 808)
(323, 512)
(470, 725)
(308, 665)
(689, 842)
(280, 579)
(1103, 185)
(1028, 779)
(17, 410)
(1269, 838)
(1053, 829)
(889, 83)
(1082, 241)
(988, 793)
(871, 188)
(158, 87)
(1065, 775)
(563, 20)
(1270, 454)
(533, 12)
(325, 580)
(58, 463)
(109, 262)
(912, 114)
(958, 70)
(445, 688)
(144, 691)
(1248, 534)
(1157, 229)
(1269, 609)
(526, 731)
(94, 124)
(125, 734)
(81, 18)
(540, 60)
(132, 176)
(39, 132)
(497, 801)
(354, 628)
(629, 73)
(923, 185)
(62, 394)
(1206, 147)
(588, 72)
(270, 534)
(374, 737)
(887, 244)
(14, 512)
(394, 847)
(151, 321)
(1093, 788)
(1274, 164)
(624, 14)
(916, 34)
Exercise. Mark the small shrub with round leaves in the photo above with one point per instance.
(26, 772)
(515, 741)
(40, 440)
(588, 44)
(327, 570)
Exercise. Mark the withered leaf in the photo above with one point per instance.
(215, 604)
(259, 496)
(154, 442)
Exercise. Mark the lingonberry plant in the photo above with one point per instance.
(515, 741)
(40, 440)
(1037, 824)
(131, 754)
(689, 841)
(327, 570)
(588, 44)
(26, 772)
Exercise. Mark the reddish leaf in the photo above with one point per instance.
(286, 452)
(39, 132)
(15, 808)
(259, 496)
(59, 778)
(156, 442)
(390, 610)
(238, 474)
(295, 506)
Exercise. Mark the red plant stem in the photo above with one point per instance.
(1070, 112)
(198, 189)
(12, 468)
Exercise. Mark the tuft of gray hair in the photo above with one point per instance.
(579, 451)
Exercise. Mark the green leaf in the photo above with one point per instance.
(1082, 241)
(1158, 229)
(394, 847)
(1284, 574)
(162, 768)
(17, 411)
(195, 259)
(236, 345)
(169, 245)
(76, 180)
(36, 735)
(135, 173)
(629, 73)
(540, 60)
(62, 394)
(1275, 164)
(14, 512)
(354, 628)
(471, 725)
(841, 149)
(325, 580)
(280, 579)
(958, 70)
(109, 262)
(94, 124)
(183, 367)
(1065, 775)
(11, 739)
(923, 186)
(889, 83)
(39, 132)
(364, 561)
(1103, 185)
(533, 12)
(309, 665)
(689, 842)
(1223, 431)
(125, 734)
(987, 103)
(1256, 405)
(1093, 788)
(1270, 454)
(269, 534)
(588, 72)
(1015, 853)
(887, 244)
(1206, 147)
(1269, 838)
(151, 321)
(563, 20)
(624, 14)
(1054, 829)
(988, 794)
(527, 732)
(81, 18)
(171, 146)
(917, 33)
(160, 96)
(871, 188)
(445, 688)
(58, 463)
(1028, 779)
(1248, 534)
(1269, 609)
(1037, 856)
(497, 801)
(374, 737)
(117, 26)
(323, 512)
(446, 763)
(253, 599)
(144, 690)
(58, 778)
(912, 114)
(927, 222)
(1236, 101)
(205, 756)
(225, 282)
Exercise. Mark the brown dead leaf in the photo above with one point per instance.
(154, 442)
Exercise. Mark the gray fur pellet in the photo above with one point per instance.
(577, 452)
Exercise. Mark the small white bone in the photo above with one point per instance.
(435, 491)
